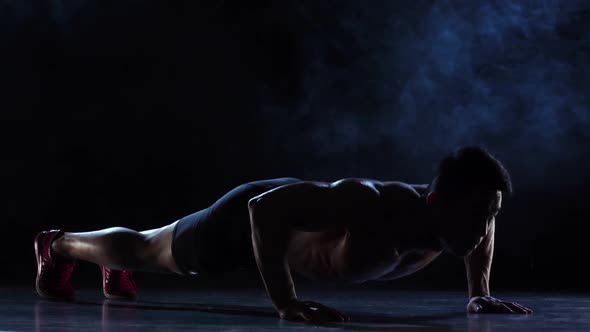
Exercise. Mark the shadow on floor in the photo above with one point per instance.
(358, 319)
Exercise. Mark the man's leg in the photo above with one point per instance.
(121, 248)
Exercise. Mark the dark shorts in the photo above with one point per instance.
(218, 238)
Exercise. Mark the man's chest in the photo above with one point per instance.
(382, 258)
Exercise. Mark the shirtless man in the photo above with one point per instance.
(353, 230)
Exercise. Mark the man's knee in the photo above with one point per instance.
(156, 251)
(129, 248)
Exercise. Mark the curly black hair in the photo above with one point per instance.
(471, 168)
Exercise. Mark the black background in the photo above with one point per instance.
(133, 113)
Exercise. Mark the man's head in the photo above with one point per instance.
(466, 195)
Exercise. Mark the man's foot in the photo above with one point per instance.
(53, 275)
(118, 285)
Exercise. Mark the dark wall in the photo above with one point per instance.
(136, 113)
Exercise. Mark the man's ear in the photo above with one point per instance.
(432, 198)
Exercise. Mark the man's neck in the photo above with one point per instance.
(422, 228)
(428, 225)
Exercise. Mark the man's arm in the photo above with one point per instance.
(304, 206)
(478, 266)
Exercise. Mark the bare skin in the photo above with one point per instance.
(351, 230)
(360, 229)
(121, 248)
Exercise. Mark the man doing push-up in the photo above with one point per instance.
(352, 229)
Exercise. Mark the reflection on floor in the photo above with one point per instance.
(250, 310)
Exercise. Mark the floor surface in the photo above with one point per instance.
(250, 310)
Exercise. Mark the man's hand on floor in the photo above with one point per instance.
(312, 312)
(488, 304)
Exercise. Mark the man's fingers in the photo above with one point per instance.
(515, 308)
(506, 308)
(333, 311)
(325, 311)
(494, 308)
(523, 308)
(492, 305)
(330, 315)
(312, 312)
(528, 311)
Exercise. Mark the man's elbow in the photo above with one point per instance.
(252, 202)
(258, 212)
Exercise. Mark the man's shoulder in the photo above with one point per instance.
(356, 189)
(396, 188)
(373, 186)
(370, 185)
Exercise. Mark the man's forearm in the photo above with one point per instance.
(479, 286)
(270, 254)
(478, 266)
(276, 214)
(271, 232)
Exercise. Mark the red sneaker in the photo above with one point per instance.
(118, 285)
(53, 276)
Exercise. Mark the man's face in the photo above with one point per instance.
(467, 219)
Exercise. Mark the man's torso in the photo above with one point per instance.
(384, 241)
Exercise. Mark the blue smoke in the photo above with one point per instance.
(497, 74)
(386, 89)
(510, 75)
